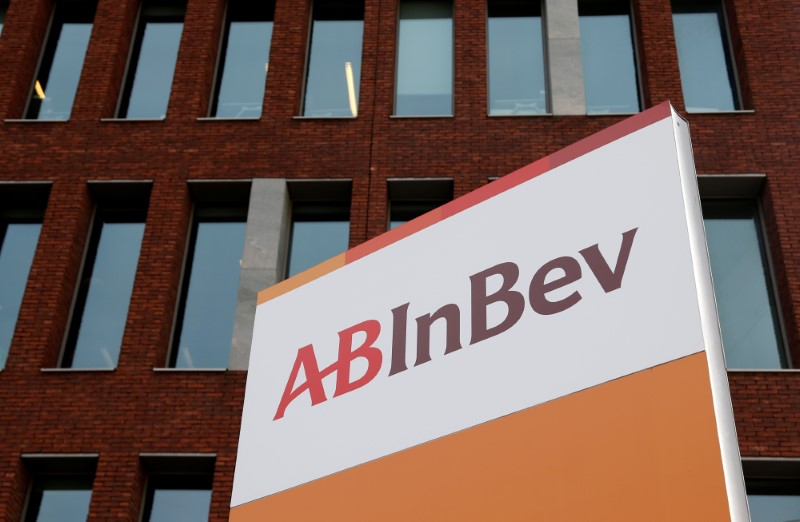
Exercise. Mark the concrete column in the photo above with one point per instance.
(263, 260)
(564, 57)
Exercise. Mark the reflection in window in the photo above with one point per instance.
(208, 303)
(173, 497)
(62, 62)
(244, 60)
(334, 61)
(101, 309)
(18, 239)
(747, 313)
(516, 58)
(424, 81)
(318, 234)
(152, 62)
(3, 8)
(773, 500)
(609, 60)
(704, 56)
(55, 498)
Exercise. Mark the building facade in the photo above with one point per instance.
(161, 162)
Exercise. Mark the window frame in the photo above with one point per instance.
(196, 469)
(419, 195)
(53, 465)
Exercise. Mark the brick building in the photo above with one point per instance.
(135, 145)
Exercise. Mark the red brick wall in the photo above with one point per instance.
(131, 410)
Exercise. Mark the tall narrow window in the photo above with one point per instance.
(62, 61)
(19, 234)
(334, 59)
(516, 58)
(61, 488)
(747, 312)
(178, 487)
(106, 285)
(707, 72)
(152, 61)
(211, 284)
(424, 78)
(244, 60)
(3, 8)
(609, 61)
(411, 198)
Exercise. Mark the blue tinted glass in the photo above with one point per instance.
(108, 295)
(60, 70)
(425, 59)
(747, 318)
(61, 501)
(316, 241)
(152, 72)
(609, 67)
(244, 71)
(774, 508)
(334, 68)
(210, 304)
(516, 63)
(186, 505)
(16, 255)
(706, 73)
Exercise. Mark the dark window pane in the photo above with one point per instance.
(609, 62)
(747, 314)
(425, 59)
(707, 73)
(334, 62)
(102, 307)
(62, 62)
(3, 8)
(17, 246)
(516, 58)
(316, 241)
(152, 63)
(245, 60)
(178, 497)
(209, 306)
(773, 500)
(59, 498)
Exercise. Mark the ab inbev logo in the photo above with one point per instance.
(544, 348)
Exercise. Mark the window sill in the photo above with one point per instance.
(539, 115)
(77, 370)
(324, 117)
(763, 370)
(211, 118)
(623, 114)
(30, 120)
(741, 111)
(190, 370)
(427, 117)
(120, 120)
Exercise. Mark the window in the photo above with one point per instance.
(104, 291)
(320, 223)
(516, 58)
(62, 61)
(20, 222)
(152, 61)
(773, 489)
(748, 315)
(424, 82)
(704, 58)
(3, 9)
(608, 56)
(410, 198)
(244, 61)
(178, 488)
(61, 488)
(210, 289)
(334, 59)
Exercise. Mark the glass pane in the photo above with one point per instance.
(16, 255)
(105, 308)
(316, 241)
(425, 59)
(609, 66)
(240, 91)
(2, 17)
(187, 505)
(516, 59)
(703, 58)
(153, 68)
(747, 317)
(210, 306)
(60, 70)
(57, 499)
(774, 508)
(334, 63)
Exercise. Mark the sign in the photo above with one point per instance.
(543, 348)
